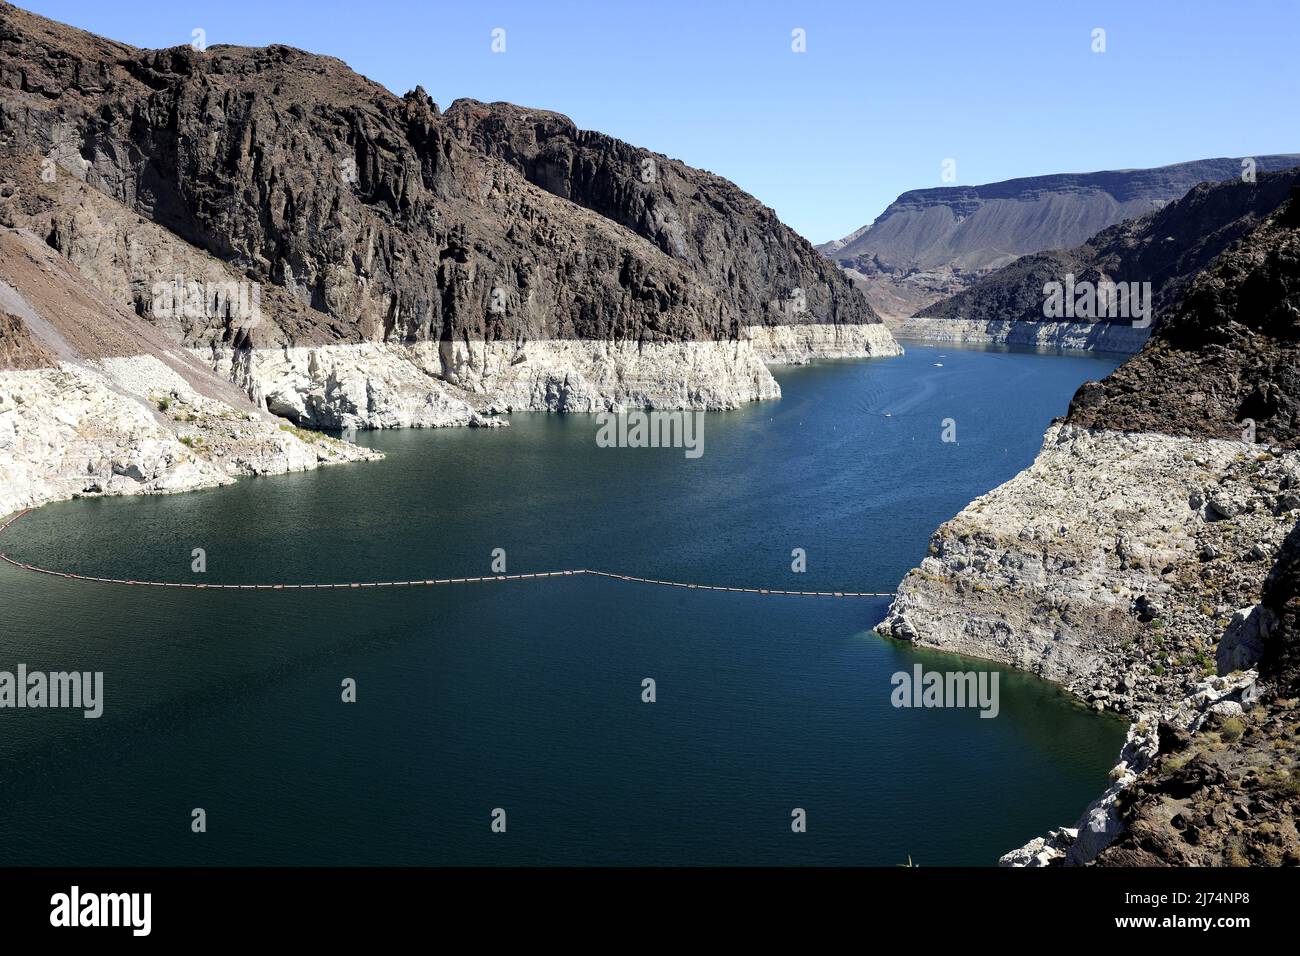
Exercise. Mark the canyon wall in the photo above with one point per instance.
(437, 264)
(1142, 563)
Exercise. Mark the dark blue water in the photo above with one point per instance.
(527, 696)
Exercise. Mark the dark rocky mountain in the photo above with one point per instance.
(1230, 795)
(386, 220)
(1231, 352)
(691, 215)
(1167, 248)
(930, 243)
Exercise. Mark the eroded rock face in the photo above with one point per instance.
(1242, 645)
(1227, 363)
(1154, 746)
(562, 375)
(133, 426)
(1081, 336)
(800, 344)
(18, 350)
(770, 275)
(1230, 794)
(428, 385)
(1093, 567)
(1135, 570)
(466, 382)
(95, 401)
(1152, 543)
(129, 261)
(388, 221)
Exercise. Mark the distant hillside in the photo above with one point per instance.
(933, 242)
(829, 249)
(1166, 248)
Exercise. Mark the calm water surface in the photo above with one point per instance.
(527, 696)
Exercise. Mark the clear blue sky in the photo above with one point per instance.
(885, 92)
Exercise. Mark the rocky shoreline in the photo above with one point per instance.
(125, 426)
(800, 344)
(1082, 336)
(1148, 736)
(133, 425)
(1129, 568)
(466, 382)
(1111, 566)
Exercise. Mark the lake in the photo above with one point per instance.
(527, 696)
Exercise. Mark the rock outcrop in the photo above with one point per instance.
(1228, 362)
(1108, 565)
(1077, 336)
(432, 384)
(1147, 562)
(1230, 794)
(800, 344)
(723, 233)
(94, 401)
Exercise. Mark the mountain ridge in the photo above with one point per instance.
(1167, 247)
(932, 242)
(225, 147)
(412, 267)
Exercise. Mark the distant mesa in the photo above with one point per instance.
(1166, 248)
(931, 243)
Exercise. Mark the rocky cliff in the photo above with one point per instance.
(1226, 362)
(932, 243)
(94, 401)
(693, 216)
(364, 218)
(1146, 561)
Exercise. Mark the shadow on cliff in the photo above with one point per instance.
(1281, 659)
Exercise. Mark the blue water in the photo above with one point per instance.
(527, 696)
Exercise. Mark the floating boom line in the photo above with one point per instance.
(426, 582)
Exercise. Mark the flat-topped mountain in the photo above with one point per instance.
(1167, 248)
(932, 242)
